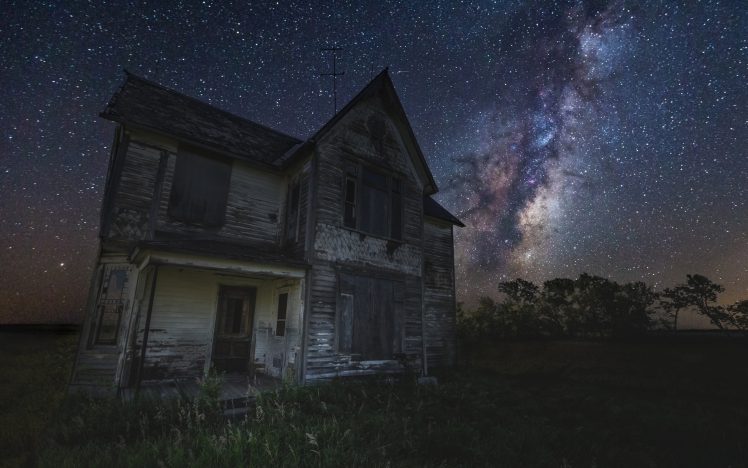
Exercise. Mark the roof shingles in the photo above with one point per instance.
(148, 105)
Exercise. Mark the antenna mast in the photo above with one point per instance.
(335, 74)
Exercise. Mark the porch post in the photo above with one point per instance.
(147, 328)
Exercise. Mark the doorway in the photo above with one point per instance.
(233, 346)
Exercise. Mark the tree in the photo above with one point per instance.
(519, 309)
(739, 315)
(672, 301)
(700, 292)
(519, 290)
(555, 306)
(630, 313)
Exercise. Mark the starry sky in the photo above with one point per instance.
(601, 136)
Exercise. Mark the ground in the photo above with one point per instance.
(664, 403)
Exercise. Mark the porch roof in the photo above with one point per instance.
(216, 255)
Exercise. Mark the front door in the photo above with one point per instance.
(232, 343)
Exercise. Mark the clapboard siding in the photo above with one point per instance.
(351, 140)
(183, 318)
(337, 248)
(439, 300)
(253, 206)
(296, 246)
(132, 202)
(323, 359)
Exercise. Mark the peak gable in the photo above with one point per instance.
(377, 119)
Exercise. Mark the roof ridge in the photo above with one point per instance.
(218, 109)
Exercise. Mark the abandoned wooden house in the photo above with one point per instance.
(225, 244)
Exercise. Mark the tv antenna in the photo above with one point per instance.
(335, 74)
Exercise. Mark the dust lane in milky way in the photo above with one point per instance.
(606, 137)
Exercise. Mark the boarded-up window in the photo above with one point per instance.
(110, 304)
(280, 323)
(370, 317)
(199, 189)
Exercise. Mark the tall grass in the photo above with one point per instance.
(520, 404)
(34, 368)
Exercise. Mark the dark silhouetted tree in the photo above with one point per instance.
(701, 293)
(519, 309)
(739, 315)
(671, 301)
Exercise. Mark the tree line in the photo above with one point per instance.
(595, 307)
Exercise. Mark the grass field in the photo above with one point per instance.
(516, 404)
(34, 368)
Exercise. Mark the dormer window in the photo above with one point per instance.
(199, 189)
(373, 202)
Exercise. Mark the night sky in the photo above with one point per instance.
(606, 137)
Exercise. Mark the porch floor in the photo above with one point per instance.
(237, 390)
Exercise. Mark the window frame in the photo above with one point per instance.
(354, 172)
(103, 303)
(293, 195)
(186, 155)
(284, 320)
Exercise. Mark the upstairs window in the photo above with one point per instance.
(373, 210)
(292, 212)
(373, 203)
(199, 189)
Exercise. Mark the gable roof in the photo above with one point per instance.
(383, 84)
(148, 105)
(432, 208)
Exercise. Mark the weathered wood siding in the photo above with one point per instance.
(98, 364)
(280, 354)
(134, 196)
(253, 208)
(439, 301)
(302, 175)
(183, 322)
(365, 135)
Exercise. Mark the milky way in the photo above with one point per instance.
(607, 137)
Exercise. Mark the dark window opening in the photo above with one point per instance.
(280, 324)
(234, 322)
(199, 189)
(292, 214)
(374, 204)
(373, 213)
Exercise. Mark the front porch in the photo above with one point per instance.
(193, 314)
